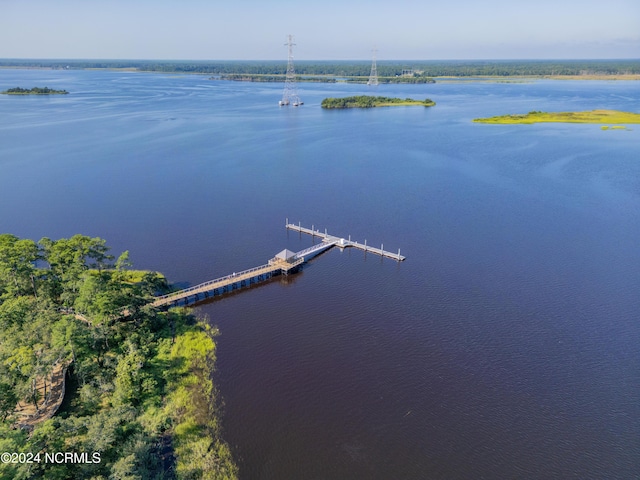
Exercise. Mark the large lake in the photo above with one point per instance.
(507, 345)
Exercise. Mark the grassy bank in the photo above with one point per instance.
(592, 116)
(190, 404)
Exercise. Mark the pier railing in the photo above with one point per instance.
(344, 243)
(222, 280)
(314, 249)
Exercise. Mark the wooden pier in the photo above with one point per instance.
(282, 264)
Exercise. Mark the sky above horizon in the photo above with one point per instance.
(328, 30)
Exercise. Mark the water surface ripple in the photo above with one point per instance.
(506, 346)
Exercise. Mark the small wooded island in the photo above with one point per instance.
(34, 91)
(367, 101)
(592, 116)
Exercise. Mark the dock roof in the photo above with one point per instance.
(286, 254)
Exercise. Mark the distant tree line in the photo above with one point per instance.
(251, 77)
(247, 77)
(357, 68)
(415, 78)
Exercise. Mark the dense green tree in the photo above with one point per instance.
(11, 440)
(15, 312)
(130, 376)
(17, 266)
(27, 353)
(63, 303)
(8, 400)
(68, 259)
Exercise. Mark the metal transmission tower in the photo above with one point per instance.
(290, 95)
(373, 77)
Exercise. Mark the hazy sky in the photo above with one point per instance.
(323, 29)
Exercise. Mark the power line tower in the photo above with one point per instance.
(373, 77)
(290, 95)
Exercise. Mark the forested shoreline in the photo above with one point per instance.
(142, 396)
(355, 68)
(249, 77)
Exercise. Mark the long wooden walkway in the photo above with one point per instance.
(229, 283)
(283, 263)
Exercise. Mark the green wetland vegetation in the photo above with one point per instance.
(138, 386)
(368, 101)
(34, 91)
(592, 116)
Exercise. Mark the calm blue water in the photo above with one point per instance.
(506, 346)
